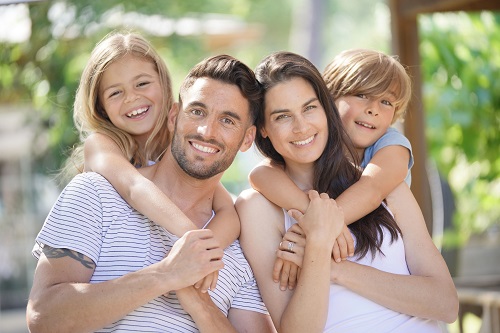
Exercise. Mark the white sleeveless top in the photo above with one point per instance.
(349, 312)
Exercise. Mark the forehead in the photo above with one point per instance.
(128, 66)
(217, 96)
(289, 94)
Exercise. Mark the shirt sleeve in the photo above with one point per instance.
(391, 138)
(75, 220)
(248, 298)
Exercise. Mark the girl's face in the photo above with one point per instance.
(295, 121)
(131, 94)
(366, 118)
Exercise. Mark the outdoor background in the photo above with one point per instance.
(44, 46)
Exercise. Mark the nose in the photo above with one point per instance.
(372, 108)
(207, 129)
(131, 97)
(299, 125)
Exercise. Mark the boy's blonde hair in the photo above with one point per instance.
(89, 115)
(369, 72)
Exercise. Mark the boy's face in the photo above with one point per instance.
(366, 118)
(212, 126)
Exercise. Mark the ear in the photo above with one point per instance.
(172, 116)
(263, 132)
(248, 139)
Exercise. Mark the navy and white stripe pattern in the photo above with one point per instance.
(90, 217)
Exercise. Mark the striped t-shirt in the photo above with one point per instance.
(90, 217)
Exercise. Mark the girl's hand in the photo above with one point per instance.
(290, 253)
(208, 282)
(344, 245)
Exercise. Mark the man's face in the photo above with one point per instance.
(212, 126)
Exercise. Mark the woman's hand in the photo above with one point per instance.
(289, 257)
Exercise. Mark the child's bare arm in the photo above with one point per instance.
(271, 180)
(103, 156)
(226, 223)
(385, 171)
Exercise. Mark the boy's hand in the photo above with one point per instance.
(208, 282)
(344, 245)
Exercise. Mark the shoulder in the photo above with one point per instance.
(393, 136)
(253, 201)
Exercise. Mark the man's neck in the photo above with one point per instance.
(193, 196)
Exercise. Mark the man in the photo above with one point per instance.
(114, 270)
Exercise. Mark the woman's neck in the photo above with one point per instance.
(301, 174)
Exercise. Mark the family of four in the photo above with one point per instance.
(145, 238)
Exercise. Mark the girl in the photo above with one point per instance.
(300, 129)
(120, 111)
(371, 91)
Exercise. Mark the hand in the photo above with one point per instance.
(344, 245)
(288, 262)
(209, 282)
(195, 255)
(323, 220)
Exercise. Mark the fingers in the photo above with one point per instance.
(285, 274)
(209, 282)
(336, 252)
(278, 265)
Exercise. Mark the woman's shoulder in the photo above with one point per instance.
(253, 202)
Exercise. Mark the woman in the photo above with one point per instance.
(388, 286)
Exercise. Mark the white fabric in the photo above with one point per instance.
(349, 312)
(90, 217)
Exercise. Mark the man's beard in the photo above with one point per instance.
(198, 171)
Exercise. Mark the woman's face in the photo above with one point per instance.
(295, 121)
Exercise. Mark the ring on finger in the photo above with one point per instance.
(290, 246)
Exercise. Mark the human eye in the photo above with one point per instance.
(113, 93)
(196, 112)
(228, 121)
(281, 116)
(386, 102)
(363, 96)
(143, 84)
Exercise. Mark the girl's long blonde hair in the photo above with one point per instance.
(89, 115)
(369, 72)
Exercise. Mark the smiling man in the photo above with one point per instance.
(112, 269)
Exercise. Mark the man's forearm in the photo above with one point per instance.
(84, 307)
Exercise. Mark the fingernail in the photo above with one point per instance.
(338, 260)
(282, 288)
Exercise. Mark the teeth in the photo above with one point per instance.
(136, 112)
(365, 125)
(304, 142)
(204, 149)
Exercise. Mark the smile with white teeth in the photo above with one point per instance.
(204, 149)
(303, 142)
(365, 125)
(137, 112)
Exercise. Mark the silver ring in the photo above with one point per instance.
(290, 246)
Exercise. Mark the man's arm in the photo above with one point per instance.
(63, 300)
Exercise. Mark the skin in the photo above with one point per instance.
(63, 300)
(366, 118)
(131, 94)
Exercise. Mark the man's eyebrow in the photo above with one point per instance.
(232, 115)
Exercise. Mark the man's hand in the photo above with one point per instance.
(195, 255)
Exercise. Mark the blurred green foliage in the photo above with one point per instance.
(461, 69)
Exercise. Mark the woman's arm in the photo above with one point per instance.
(262, 228)
(386, 170)
(103, 156)
(429, 291)
(226, 223)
